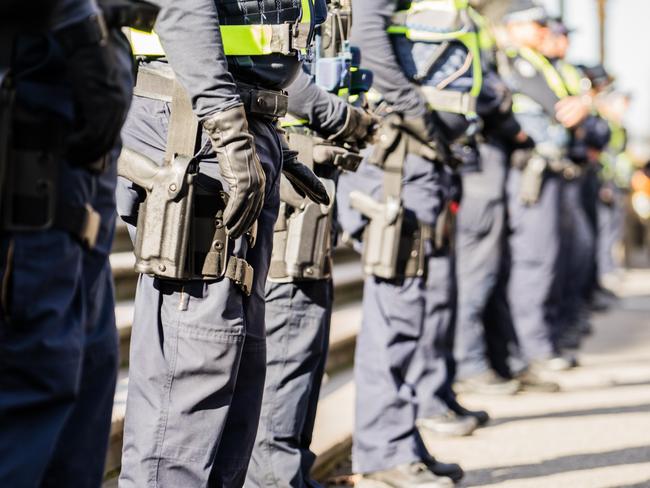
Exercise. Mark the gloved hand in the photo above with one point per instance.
(240, 167)
(302, 179)
(101, 98)
(359, 127)
(523, 141)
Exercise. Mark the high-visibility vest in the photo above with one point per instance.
(461, 29)
(245, 40)
(572, 78)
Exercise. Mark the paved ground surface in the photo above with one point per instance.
(593, 434)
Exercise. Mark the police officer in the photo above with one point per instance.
(402, 355)
(198, 346)
(578, 226)
(328, 132)
(58, 341)
(611, 105)
(482, 321)
(533, 190)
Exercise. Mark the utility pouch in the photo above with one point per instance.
(532, 179)
(29, 200)
(302, 241)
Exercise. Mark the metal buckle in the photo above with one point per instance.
(90, 229)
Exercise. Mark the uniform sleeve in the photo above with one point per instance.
(494, 105)
(189, 33)
(325, 113)
(371, 19)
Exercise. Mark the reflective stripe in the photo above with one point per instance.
(243, 40)
(291, 121)
(486, 40)
(466, 35)
(543, 65)
(572, 78)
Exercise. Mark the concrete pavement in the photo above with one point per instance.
(593, 434)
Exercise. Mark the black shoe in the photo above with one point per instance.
(416, 475)
(487, 383)
(481, 416)
(448, 425)
(449, 470)
(531, 381)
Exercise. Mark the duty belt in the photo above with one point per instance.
(159, 85)
(31, 201)
(180, 235)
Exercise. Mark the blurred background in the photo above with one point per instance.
(614, 32)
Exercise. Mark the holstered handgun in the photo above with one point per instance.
(313, 150)
(532, 180)
(382, 236)
(180, 230)
(164, 217)
(393, 241)
(302, 240)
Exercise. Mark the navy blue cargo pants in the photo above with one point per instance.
(297, 337)
(397, 333)
(480, 237)
(58, 341)
(534, 244)
(197, 360)
(575, 265)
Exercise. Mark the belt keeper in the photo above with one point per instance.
(240, 273)
(90, 229)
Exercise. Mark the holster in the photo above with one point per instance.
(313, 150)
(302, 241)
(532, 180)
(393, 241)
(566, 168)
(180, 231)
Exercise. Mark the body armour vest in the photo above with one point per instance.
(273, 71)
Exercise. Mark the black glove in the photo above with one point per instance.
(359, 127)
(303, 180)
(101, 99)
(240, 167)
